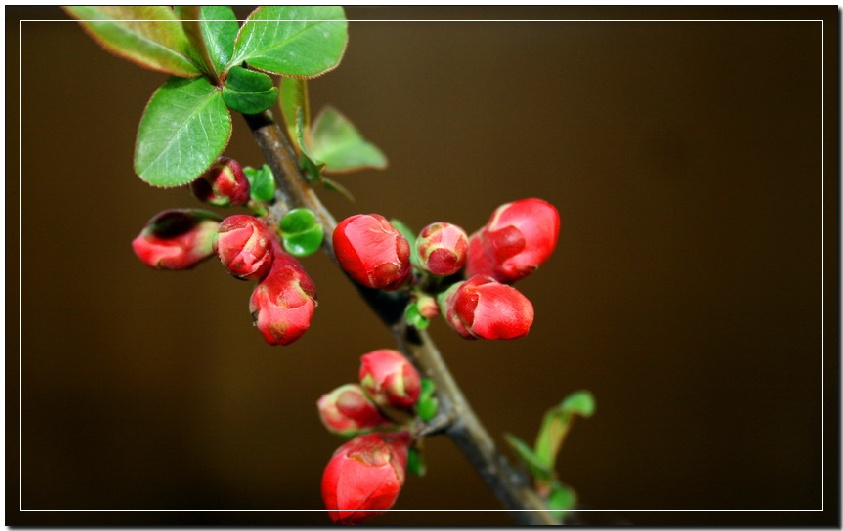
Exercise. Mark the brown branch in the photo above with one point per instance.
(457, 420)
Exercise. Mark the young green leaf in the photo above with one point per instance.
(427, 405)
(150, 36)
(298, 41)
(337, 143)
(301, 233)
(415, 462)
(261, 183)
(414, 318)
(538, 468)
(292, 96)
(334, 186)
(562, 499)
(557, 423)
(580, 403)
(184, 128)
(247, 91)
(218, 28)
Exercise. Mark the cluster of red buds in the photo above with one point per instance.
(466, 279)
(364, 476)
(284, 298)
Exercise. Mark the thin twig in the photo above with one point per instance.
(458, 421)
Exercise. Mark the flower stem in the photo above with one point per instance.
(461, 423)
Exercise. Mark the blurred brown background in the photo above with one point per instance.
(686, 291)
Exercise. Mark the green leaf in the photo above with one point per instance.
(337, 143)
(557, 423)
(580, 403)
(334, 186)
(427, 387)
(538, 468)
(427, 405)
(301, 233)
(218, 28)
(150, 36)
(247, 91)
(184, 128)
(292, 96)
(261, 183)
(562, 499)
(297, 41)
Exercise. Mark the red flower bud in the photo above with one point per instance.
(442, 248)
(519, 237)
(282, 303)
(364, 477)
(372, 251)
(389, 378)
(177, 239)
(244, 246)
(347, 410)
(223, 184)
(482, 308)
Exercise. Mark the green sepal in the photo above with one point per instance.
(149, 36)
(301, 233)
(414, 318)
(183, 130)
(415, 462)
(296, 41)
(337, 143)
(248, 91)
(538, 468)
(261, 183)
(562, 499)
(411, 239)
(557, 423)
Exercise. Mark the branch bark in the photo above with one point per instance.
(457, 419)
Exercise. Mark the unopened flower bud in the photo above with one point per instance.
(364, 477)
(177, 239)
(223, 184)
(372, 251)
(483, 308)
(282, 303)
(519, 237)
(442, 248)
(427, 306)
(347, 410)
(244, 246)
(389, 378)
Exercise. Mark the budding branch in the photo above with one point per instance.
(456, 419)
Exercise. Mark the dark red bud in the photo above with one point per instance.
(177, 239)
(223, 184)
